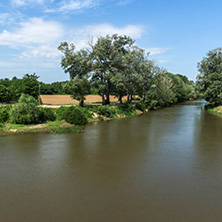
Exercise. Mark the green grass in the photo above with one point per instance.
(54, 124)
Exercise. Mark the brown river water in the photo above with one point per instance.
(163, 166)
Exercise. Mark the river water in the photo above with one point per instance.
(164, 166)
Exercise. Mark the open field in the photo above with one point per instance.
(66, 99)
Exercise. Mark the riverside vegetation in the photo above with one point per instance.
(113, 65)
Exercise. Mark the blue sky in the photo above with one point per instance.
(177, 33)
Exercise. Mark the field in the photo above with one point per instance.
(66, 99)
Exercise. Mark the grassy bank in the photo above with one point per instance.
(216, 110)
(60, 125)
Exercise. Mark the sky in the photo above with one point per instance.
(177, 33)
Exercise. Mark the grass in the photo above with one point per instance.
(216, 110)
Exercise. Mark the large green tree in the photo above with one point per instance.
(78, 64)
(210, 77)
(108, 60)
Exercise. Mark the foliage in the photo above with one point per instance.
(4, 113)
(210, 76)
(46, 114)
(26, 111)
(60, 112)
(126, 109)
(78, 88)
(86, 112)
(141, 106)
(106, 111)
(75, 116)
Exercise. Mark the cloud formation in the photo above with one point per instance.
(37, 38)
(67, 6)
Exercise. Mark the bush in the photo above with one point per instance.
(106, 111)
(26, 111)
(75, 116)
(60, 112)
(4, 113)
(141, 106)
(47, 114)
(126, 109)
(86, 112)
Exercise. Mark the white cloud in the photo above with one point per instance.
(67, 6)
(39, 39)
(27, 2)
(88, 32)
(36, 37)
(156, 51)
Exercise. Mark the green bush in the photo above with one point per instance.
(26, 111)
(86, 112)
(126, 109)
(4, 113)
(141, 106)
(47, 114)
(75, 116)
(106, 111)
(60, 112)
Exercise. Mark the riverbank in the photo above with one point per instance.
(61, 126)
(216, 110)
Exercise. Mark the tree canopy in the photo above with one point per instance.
(209, 79)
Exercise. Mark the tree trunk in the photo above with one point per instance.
(107, 94)
(103, 99)
(81, 103)
(128, 98)
(120, 99)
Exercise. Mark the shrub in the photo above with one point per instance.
(26, 111)
(60, 112)
(47, 114)
(141, 106)
(75, 116)
(106, 111)
(86, 112)
(4, 113)
(126, 109)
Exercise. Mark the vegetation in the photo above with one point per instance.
(113, 65)
(210, 77)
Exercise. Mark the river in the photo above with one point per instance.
(163, 166)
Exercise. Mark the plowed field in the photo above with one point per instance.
(66, 99)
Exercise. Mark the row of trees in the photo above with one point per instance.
(115, 65)
(12, 89)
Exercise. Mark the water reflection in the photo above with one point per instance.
(165, 165)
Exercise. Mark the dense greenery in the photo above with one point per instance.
(115, 65)
(209, 79)
(73, 115)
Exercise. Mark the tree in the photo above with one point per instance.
(108, 60)
(3, 94)
(210, 77)
(78, 89)
(30, 85)
(78, 65)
